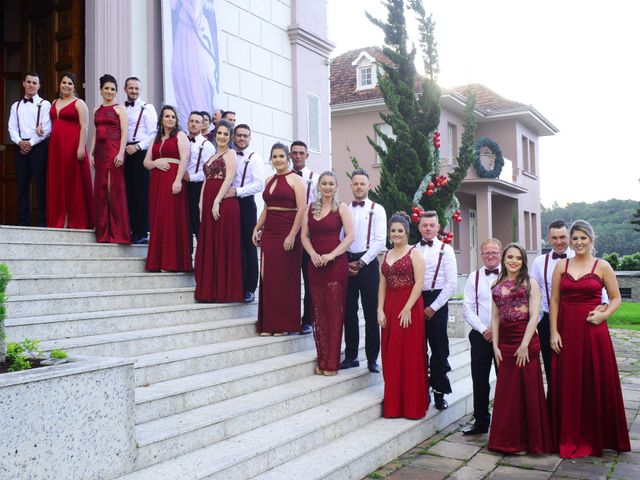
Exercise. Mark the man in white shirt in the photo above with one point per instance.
(142, 128)
(299, 155)
(440, 281)
(476, 309)
(29, 128)
(370, 224)
(248, 182)
(542, 270)
(201, 150)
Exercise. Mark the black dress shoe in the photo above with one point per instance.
(474, 429)
(373, 367)
(440, 402)
(305, 329)
(349, 363)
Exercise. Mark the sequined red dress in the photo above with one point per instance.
(218, 265)
(328, 287)
(109, 196)
(520, 420)
(279, 294)
(404, 364)
(169, 247)
(585, 398)
(69, 190)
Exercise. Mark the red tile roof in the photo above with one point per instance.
(488, 99)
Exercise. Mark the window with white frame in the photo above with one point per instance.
(365, 77)
(313, 118)
(386, 130)
(452, 143)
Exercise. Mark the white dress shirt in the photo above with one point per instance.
(253, 179)
(148, 124)
(310, 183)
(378, 235)
(481, 320)
(23, 120)
(537, 272)
(208, 150)
(447, 279)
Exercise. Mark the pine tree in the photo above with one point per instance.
(410, 161)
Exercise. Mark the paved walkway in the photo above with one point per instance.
(453, 456)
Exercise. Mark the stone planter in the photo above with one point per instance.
(74, 420)
(457, 327)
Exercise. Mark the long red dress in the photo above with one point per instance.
(279, 298)
(328, 287)
(520, 419)
(587, 410)
(69, 192)
(169, 247)
(218, 266)
(404, 364)
(109, 196)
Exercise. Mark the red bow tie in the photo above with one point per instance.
(558, 255)
(424, 242)
(495, 271)
(25, 100)
(357, 204)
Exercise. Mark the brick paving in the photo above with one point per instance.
(452, 456)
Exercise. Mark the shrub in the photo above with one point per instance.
(58, 354)
(630, 262)
(613, 259)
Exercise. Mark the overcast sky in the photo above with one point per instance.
(577, 62)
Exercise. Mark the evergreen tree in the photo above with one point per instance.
(636, 219)
(410, 161)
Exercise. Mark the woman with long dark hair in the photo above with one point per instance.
(169, 248)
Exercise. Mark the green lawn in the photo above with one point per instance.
(627, 316)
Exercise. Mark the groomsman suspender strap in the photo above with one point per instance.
(373, 204)
(244, 172)
(546, 282)
(435, 275)
(18, 116)
(477, 280)
(135, 132)
(309, 186)
(199, 155)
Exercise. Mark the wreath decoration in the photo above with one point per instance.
(495, 149)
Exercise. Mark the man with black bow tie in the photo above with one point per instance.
(298, 154)
(370, 225)
(201, 150)
(247, 182)
(440, 281)
(29, 127)
(476, 309)
(542, 271)
(142, 128)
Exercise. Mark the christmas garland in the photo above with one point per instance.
(495, 149)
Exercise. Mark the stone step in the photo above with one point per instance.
(67, 325)
(17, 234)
(59, 303)
(301, 435)
(82, 265)
(182, 433)
(154, 340)
(43, 284)
(70, 250)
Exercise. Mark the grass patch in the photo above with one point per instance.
(627, 316)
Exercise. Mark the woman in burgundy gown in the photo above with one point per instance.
(520, 421)
(69, 192)
(401, 316)
(277, 232)
(218, 263)
(328, 270)
(169, 248)
(587, 409)
(107, 157)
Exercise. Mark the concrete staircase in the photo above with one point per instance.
(212, 399)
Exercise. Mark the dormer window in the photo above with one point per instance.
(366, 71)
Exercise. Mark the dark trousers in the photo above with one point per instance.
(481, 360)
(32, 165)
(364, 285)
(193, 198)
(306, 313)
(136, 179)
(544, 333)
(248, 220)
(438, 340)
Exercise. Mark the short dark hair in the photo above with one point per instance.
(243, 125)
(204, 113)
(299, 143)
(106, 78)
(558, 224)
(224, 114)
(131, 78)
(31, 74)
(430, 214)
(361, 171)
(195, 112)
